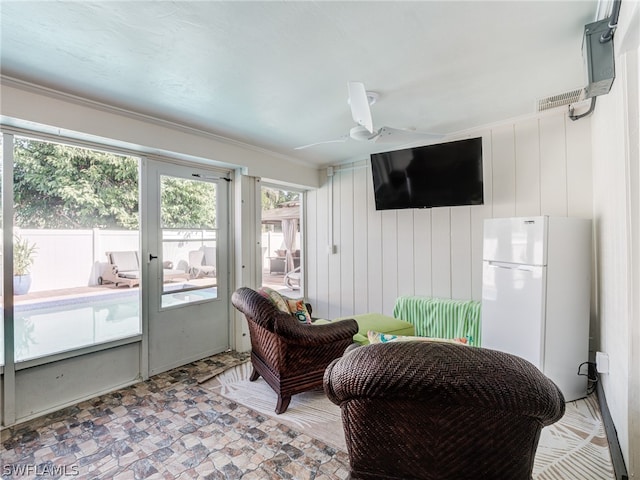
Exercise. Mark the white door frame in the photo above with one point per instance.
(179, 334)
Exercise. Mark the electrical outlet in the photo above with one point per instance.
(602, 362)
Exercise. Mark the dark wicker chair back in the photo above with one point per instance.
(289, 355)
(434, 410)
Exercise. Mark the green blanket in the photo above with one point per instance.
(441, 317)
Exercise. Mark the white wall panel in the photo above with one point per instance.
(422, 252)
(389, 224)
(406, 259)
(374, 251)
(49, 387)
(321, 302)
(527, 151)
(535, 166)
(335, 256)
(346, 245)
(579, 169)
(553, 166)
(461, 252)
(503, 171)
(615, 147)
(361, 182)
(441, 252)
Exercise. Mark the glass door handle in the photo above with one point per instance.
(151, 257)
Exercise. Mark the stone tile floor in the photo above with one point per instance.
(165, 428)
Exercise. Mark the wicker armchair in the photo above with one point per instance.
(289, 355)
(432, 410)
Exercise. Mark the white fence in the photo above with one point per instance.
(73, 258)
(76, 258)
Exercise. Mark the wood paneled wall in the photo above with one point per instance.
(536, 166)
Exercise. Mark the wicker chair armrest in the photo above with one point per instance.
(294, 332)
(444, 374)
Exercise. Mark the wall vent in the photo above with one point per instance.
(566, 98)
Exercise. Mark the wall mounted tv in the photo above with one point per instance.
(442, 175)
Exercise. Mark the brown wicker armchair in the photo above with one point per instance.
(432, 410)
(289, 355)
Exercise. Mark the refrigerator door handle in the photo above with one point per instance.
(527, 268)
(512, 266)
(506, 266)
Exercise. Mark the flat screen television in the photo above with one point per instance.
(441, 175)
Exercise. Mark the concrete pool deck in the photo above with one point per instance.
(65, 293)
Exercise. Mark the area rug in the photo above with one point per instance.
(217, 368)
(575, 448)
(311, 413)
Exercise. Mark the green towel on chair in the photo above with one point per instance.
(441, 317)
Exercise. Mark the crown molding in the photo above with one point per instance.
(93, 104)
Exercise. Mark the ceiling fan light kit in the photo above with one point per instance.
(372, 97)
(361, 133)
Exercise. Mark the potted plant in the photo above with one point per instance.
(24, 254)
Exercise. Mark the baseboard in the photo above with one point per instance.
(617, 459)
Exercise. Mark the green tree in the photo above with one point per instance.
(65, 187)
(273, 197)
(188, 204)
(59, 186)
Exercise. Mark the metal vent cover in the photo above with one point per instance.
(567, 98)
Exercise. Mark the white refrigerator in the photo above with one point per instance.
(536, 284)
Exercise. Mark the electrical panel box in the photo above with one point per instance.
(598, 58)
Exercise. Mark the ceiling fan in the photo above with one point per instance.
(360, 101)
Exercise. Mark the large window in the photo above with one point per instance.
(75, 210)
(282, 266)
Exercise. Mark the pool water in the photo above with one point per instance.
(46, 328)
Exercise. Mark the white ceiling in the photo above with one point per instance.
(274, 74)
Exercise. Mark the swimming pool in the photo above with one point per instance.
(55, 326)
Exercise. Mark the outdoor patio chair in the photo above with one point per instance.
(197, 266)
(292, 279)
(123, 268)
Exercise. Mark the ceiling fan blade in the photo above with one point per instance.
(342, 139)
(398, 135)
(359, 103)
